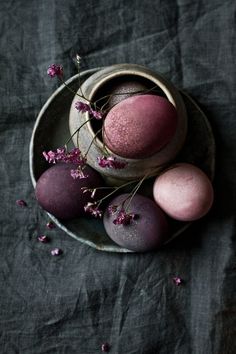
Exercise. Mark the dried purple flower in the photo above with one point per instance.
(78, 173)
(74, 156)
(105, 347)
(90, 190)
(177, 281)
(110, 162)
(43, 238)
(97, 115)
(50, 225)
(56, 252)
(92, 209)
(50, 156)
(78, 58)
(61, 155)
(55, 70)
(124, 218)
(82, 107)
(102, 161)
(21, 203)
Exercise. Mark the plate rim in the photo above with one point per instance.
(107, 248)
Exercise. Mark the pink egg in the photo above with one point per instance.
(140, 126)
(184, 192)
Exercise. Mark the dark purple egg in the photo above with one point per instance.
(124, 90)
(61, 195)
(147, 231)
(140, 126)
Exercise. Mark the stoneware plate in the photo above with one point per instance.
(51, 130)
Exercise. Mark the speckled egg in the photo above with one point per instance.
(61, 195)
(140, 126)
(184, 192)
(124, 90)
(148, 230)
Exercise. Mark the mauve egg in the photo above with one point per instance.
(124, 90)
(140, 126)
(184, 192)
(61, 195)
(148, 230)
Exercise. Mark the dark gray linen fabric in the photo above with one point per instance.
(73, 303)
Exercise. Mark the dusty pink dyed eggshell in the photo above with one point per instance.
(140, 126)
(61, 195)
(147, 232)
(184, 192)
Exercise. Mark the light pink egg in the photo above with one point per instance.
(184, 192)
(140, 126)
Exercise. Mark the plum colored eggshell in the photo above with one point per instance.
(149, 231)
(61, 195)
(140, 126)
(184, 192)
(124, 90)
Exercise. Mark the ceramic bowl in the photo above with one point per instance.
(96, 86)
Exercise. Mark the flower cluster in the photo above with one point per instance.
(124, 218)
(177, 281)
(61, 155)
(93, 210)
(84, 107)
(110, 162)
(74, 156)
(78, 173)
(55, 70)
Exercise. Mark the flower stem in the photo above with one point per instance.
(134, 191)
(79, 77)
(115, 190)
(77, 131)
(95, 136)
(75, 93)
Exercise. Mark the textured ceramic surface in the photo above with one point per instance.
(94, 87)
(51, 130)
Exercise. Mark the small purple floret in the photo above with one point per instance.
(177, 281)
(55, 70)
(21, 203)
(92, 209)
(82, 107)
(124, 218)
(78, 173)
(43, 238)
(56, 252)
(97, 115)
(73, 156)
(105, 347)
(50, 225)
(110, 162)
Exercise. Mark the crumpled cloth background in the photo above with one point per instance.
(75, 302)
